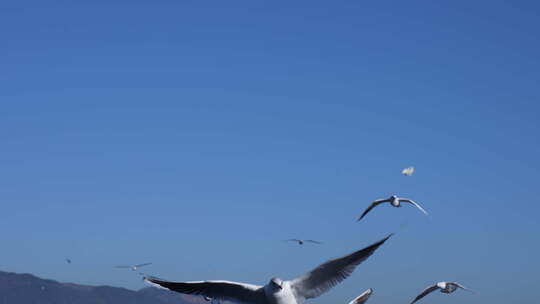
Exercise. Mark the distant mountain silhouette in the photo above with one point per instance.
(29, 289)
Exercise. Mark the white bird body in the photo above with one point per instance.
(285, 295)
(408, 171)
(394, 200)
(277, 291)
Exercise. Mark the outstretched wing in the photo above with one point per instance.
(222, 290)
(406, 200)
(408, 171)
(292, 240)
(425, 292)
(313, 241)
(141, 265)
(329, 274)
(461, 286)
(373, 205)
(361, 299)
(122, 266)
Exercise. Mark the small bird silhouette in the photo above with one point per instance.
(445, 287)
(301, 242)
(132, 267)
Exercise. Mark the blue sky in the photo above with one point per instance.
(198, 135)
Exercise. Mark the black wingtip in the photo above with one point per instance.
(379, 243)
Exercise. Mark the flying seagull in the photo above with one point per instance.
(394, 201)
(277, 291)
(445, 287)
(408, 171)
(361, 299)
(133, 267)
(301, 242)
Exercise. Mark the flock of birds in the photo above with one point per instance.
(296, 291)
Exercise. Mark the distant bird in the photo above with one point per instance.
(132, 267)
(445, 287)
(394, 201)
(408, 171)
(361, 299)
(68, 261)
(277, 291)
(301, 242)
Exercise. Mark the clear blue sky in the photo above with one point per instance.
(199, 134)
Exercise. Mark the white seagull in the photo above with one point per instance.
(408, 171)
(277, 291)
(361, 299)
(394, 201)
(301, 242)
(133, 267)
(445, 287)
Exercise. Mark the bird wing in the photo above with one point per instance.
(425, 292)
(373, 205)
(406, 200)
(329, 274)
(144, 264)
(361, 299)
(408, 171)
(313, 241)
(122, 266)
(292, 240)
(222, 290)
(461, 286)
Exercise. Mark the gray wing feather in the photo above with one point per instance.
(461, 286)
(329, 274)
(373, 205)
(425, 292)
(406, 200)
(141, 265)
(221, 290)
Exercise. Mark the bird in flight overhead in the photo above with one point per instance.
(68, 261)
(394, 201)
(445, 287)
(133, 267)
(301, 242)
(361, 299)
(277, 291)
(408, 171)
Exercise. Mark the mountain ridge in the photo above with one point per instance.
(26, 288)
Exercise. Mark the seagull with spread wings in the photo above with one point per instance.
(277, 291)
(133, 267)
(361, 299)
(445, 287)
(301, 242)
(394, 201)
